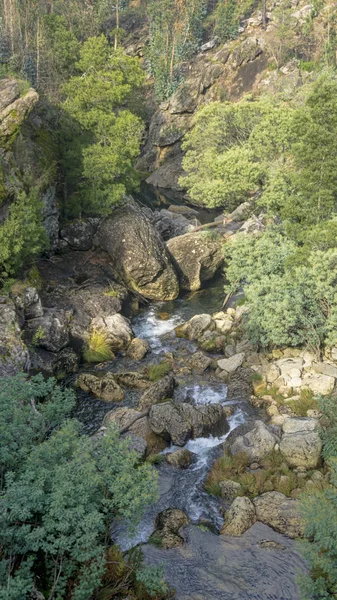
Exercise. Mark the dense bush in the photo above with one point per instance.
(59, 491)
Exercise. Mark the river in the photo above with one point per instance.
(261, 564)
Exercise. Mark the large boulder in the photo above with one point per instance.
(137, 425)
(159, 391)
(14, 355)
(280, 513)
(105, 388)
(256, 443)
(137, 252)
(240, 517)
(179, 423)
(301, 443)
(117, 330)
(197, 257)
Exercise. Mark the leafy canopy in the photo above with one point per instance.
(98, 99)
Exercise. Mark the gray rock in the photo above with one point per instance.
(230, 365)
(161, 390)
(32, 303)
(138, 349)
(171, 225)
(301, 449)
(197, 258)
(240, 517)
(79, 234)
(65, 363)
(51, 331)
(196, 326)
(229, 489)
(136, 444)
(241, 212)
(137, 252)
(179, 423)
(280, 513)
(299, 425)
(105, 388)
(168, 524)
(199, 362)
(51, 216)
(325, 369)
(256, 443)
(181, 458)
(117, 330)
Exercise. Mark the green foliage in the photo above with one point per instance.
(60, 490)
(157, 372)
(226, 20)
(29, 410)
(98, 100)
(289, 304)
(38, 336)
(22, 236)
(230, 150)
(97, 348)
(175, 33)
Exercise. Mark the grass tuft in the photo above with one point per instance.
(97, 349)
(156, 372)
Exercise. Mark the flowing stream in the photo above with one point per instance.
(261, 564)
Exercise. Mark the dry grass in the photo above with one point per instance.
(307, 401)
(97, 349)
(274, 475)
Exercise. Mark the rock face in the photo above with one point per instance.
(13, 353)
(106, 388)
(50, 332)
(117, 330)
(179, 423)
(79, 234)
(13, 109)
(301, 444)
(279, 512)
(256, 443)
(197, 258)
(32, 304)
(159, 391)
(137, 252)
(168, 524)
(239, 517)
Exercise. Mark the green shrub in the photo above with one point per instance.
(22, 235)
(59, 492)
